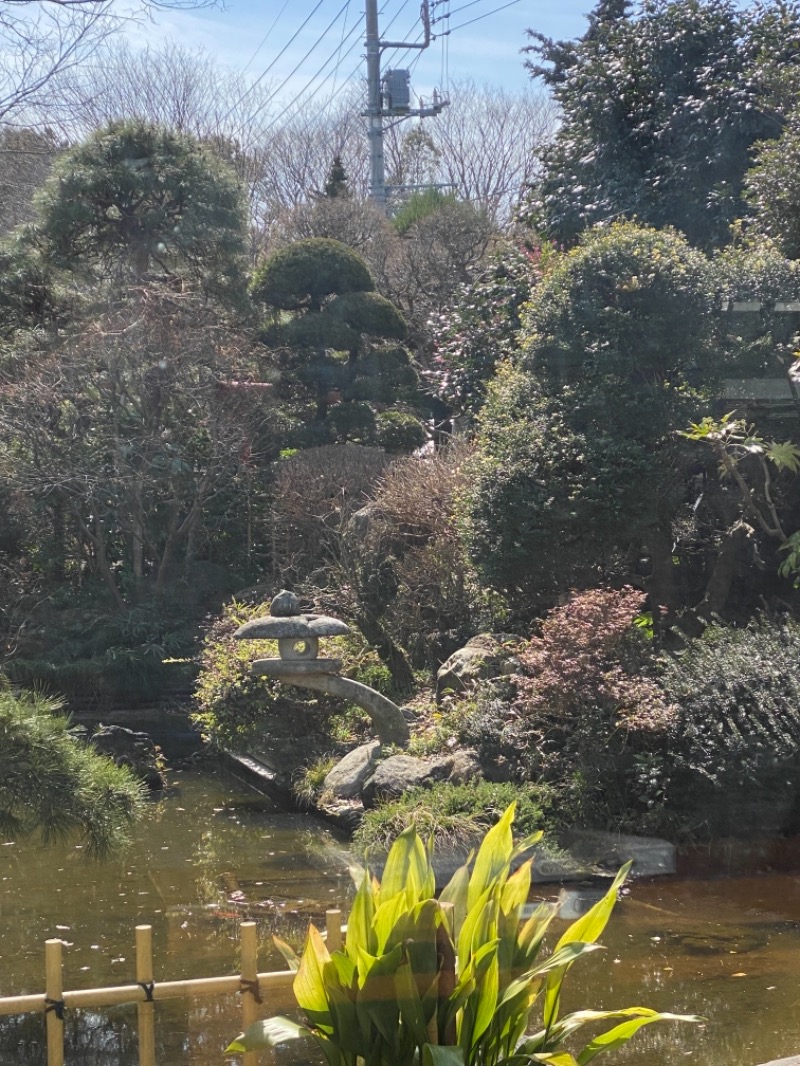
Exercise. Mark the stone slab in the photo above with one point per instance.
(296, 667)
(651, 856)
(303, 625)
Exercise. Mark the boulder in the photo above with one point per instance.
(399, 773)
(134, 750)
(482, 657)
(347, 777)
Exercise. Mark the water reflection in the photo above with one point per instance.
(209, 855)
(213, 853)
(728, 950)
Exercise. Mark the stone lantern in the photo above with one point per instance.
(298, 637)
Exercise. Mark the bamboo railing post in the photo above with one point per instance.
(333, 925)
(54, 1002)
(145, 1012)
(250, 994)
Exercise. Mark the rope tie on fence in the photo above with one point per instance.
(148, 987)
(56, 1006)
(252, 988)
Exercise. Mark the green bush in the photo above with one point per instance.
(103, 658)
(455, 815)
(304, 273)
(232, 705)
(697, 744)
(579, 713)
(755, 269)
(577, 465)
(447, 981)
(730, 764)
(419, 206)
(54, 783)
(399, 432)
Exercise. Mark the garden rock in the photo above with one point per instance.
(134, 750)
(481, 658)
(464, 767)
(347, 777)
(399, 773)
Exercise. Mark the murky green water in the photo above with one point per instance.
(214, 852)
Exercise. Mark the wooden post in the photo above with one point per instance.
(145, 1011)
(54, 1002)
(250, 996)
(333, 924)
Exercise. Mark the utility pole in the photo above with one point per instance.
(389, 97)
(377, 171)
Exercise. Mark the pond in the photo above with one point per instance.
(213, 852)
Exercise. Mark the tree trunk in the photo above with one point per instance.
(661, 586)
(725, 570)
(178, 532)
(97, 539)
(391, 654)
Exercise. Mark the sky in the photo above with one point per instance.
(305, 47)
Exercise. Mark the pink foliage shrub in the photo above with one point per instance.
(578, 664)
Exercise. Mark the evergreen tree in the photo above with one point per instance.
(336, 185)
(338, 355)
(54, 783)
(136, 202)
(578, 468)
(660, 109)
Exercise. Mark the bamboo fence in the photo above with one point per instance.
(146, 992)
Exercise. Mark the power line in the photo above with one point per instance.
(280, 54)
(396, 55)
(339, 53)
(264, 39)
(463, 7)
(297, 66)
(478, 19)
(321, 85)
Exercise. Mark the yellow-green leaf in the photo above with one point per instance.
(309, 984)
(359, 923)
(288, 952)
(269, 1032)
(493, 856)
(442, 1055)
(586, 930)
(621, 1034)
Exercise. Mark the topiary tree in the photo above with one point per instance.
(578, 473)
(136, 199)
(338, 364)
(303, 274)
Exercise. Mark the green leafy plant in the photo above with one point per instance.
(752, 464)
(448, 981)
